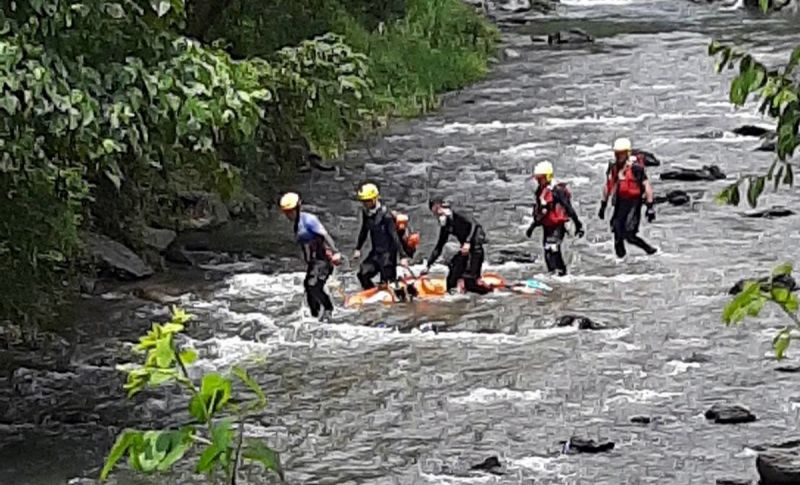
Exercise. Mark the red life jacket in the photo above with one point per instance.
(626, 184)
(547, 211)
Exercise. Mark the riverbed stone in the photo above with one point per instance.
(707, 172)
(117, 258)
(751, 130)
(730, 414)
(491, 465)
(733, 481)
(782, 281)
(673, 197)
(581, 322)
(769, 213)
(585, 445)
(206, 210)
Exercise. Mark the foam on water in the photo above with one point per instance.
(484, 395)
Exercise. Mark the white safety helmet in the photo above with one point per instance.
(622, 145)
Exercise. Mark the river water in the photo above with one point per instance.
(352, 403)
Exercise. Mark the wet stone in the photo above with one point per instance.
(730, 414)
(491, 465)
(585, 445)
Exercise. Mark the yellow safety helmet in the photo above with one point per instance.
(368, 192)
(622, 145)
(544, 168)
(290, 201)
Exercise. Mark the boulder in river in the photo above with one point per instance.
(645, 419)
(158, 239)
(491, 465)
(708, 172)
(734, 481)
(585, 445)
(754, 131)
(784, 281)
(117, 258)
(730, 414)
(674, 197)
(511, 54)
(779, 465)
(769, 213)
(582, 323)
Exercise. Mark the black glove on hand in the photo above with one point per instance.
(602, 212)
(579, 231)
(529, 230)
(650, 213)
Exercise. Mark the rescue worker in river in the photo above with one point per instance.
(319, 253)
(627, 182)
(379, 223)
(552, 209)
(468, 262)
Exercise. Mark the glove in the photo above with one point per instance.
(651, 213)
(602, 212)
(579, 231)
(529, 230)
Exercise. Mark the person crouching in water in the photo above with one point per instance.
(380, 224)
(467, 264)
(552, 209)
(627, 181)
(319, 253)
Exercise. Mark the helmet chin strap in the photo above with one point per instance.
(375, 208)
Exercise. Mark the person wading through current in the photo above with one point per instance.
(468, 262)
(319, 253)
(627, 181)
(552, 210)
(379, 223)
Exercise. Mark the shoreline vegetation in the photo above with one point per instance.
(126, 123)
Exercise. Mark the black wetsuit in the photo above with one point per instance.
(314, 241)
(553, 233)
(386, 244)
(627, 215)
(468, 266)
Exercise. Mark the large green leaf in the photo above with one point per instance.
(747, 303)
(218, 452)
(215, 391)
(755, 190)
(783, 269)
(252, 384)
(257, 451)
(124, 441)
(781, 342)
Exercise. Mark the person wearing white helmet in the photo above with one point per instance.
(627, 182)
(552, 209)
(319, 253)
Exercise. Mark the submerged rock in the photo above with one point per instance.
(116, 258)
(582, 323)
(644, 419)
(708, 172)
(733, 481)
(585, 445)
(674, 197)
(769, 213)
(730, 414)
(511, 54)
(491, 465)
(570, 36)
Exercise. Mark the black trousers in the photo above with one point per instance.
(317, 275)
(384, 264)
(467, 268)
(553, 237)
(625, 224)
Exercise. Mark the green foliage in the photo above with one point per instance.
(110, 110)
(153, 451)
(778, 91)
(755, 295)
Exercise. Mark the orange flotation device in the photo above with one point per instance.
(426, 288)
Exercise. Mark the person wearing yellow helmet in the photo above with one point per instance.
(319, 253)
(379, 223)
(627, 182)
(552, 209)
